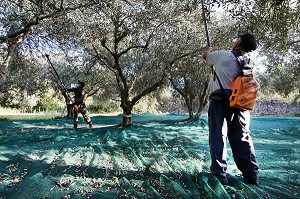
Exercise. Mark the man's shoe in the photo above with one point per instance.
(91, 125)
(223, 180)
(250, 180)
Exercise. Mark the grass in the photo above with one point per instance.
(17, 114)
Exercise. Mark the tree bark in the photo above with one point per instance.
(189, 98)
(12, 47)
(127, 119)
(70, 111)
(190, 110)
(203, 99)
(69, 106)
(127, 113)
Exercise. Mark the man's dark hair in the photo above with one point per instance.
(249, 42)
(81, 83)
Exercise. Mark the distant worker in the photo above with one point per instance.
(227, 122)
(79, 105)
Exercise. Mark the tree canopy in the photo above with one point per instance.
(125, 50)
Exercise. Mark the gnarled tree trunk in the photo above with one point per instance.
(127, 117)
(203, 99)
(11, 51)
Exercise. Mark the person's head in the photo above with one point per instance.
(80, 83)
(245, 42)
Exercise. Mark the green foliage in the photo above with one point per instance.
(165, 29)
(276, 26)
(48, 103)
(146, 104)
(283, 76)
(25, 81)
(163, 95)
(103, 107)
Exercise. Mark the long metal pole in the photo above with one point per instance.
(205, 24)
(61, 83)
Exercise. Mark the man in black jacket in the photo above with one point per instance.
(79, 105)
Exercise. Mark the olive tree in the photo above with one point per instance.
(20, 19)
(276, 25)
(139, 43)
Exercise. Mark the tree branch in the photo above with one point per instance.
(104, 61)
(103, 43)
(36, 20)
(116, 70)
(175, 87)
(136, 46)
(293, 42)
(163, 78)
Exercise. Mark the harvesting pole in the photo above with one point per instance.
(205, 24)
(61, 83)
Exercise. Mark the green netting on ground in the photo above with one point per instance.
(157, 157)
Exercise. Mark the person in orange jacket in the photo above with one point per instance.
(79, 104)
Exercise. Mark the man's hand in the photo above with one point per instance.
(207, 50)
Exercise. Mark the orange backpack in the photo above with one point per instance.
(245, 86)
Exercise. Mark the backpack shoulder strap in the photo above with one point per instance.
(246, 67)
(239, 57)
(216, 76)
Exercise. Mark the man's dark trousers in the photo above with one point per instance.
(226, 122)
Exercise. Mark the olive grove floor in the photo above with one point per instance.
(157, 157)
